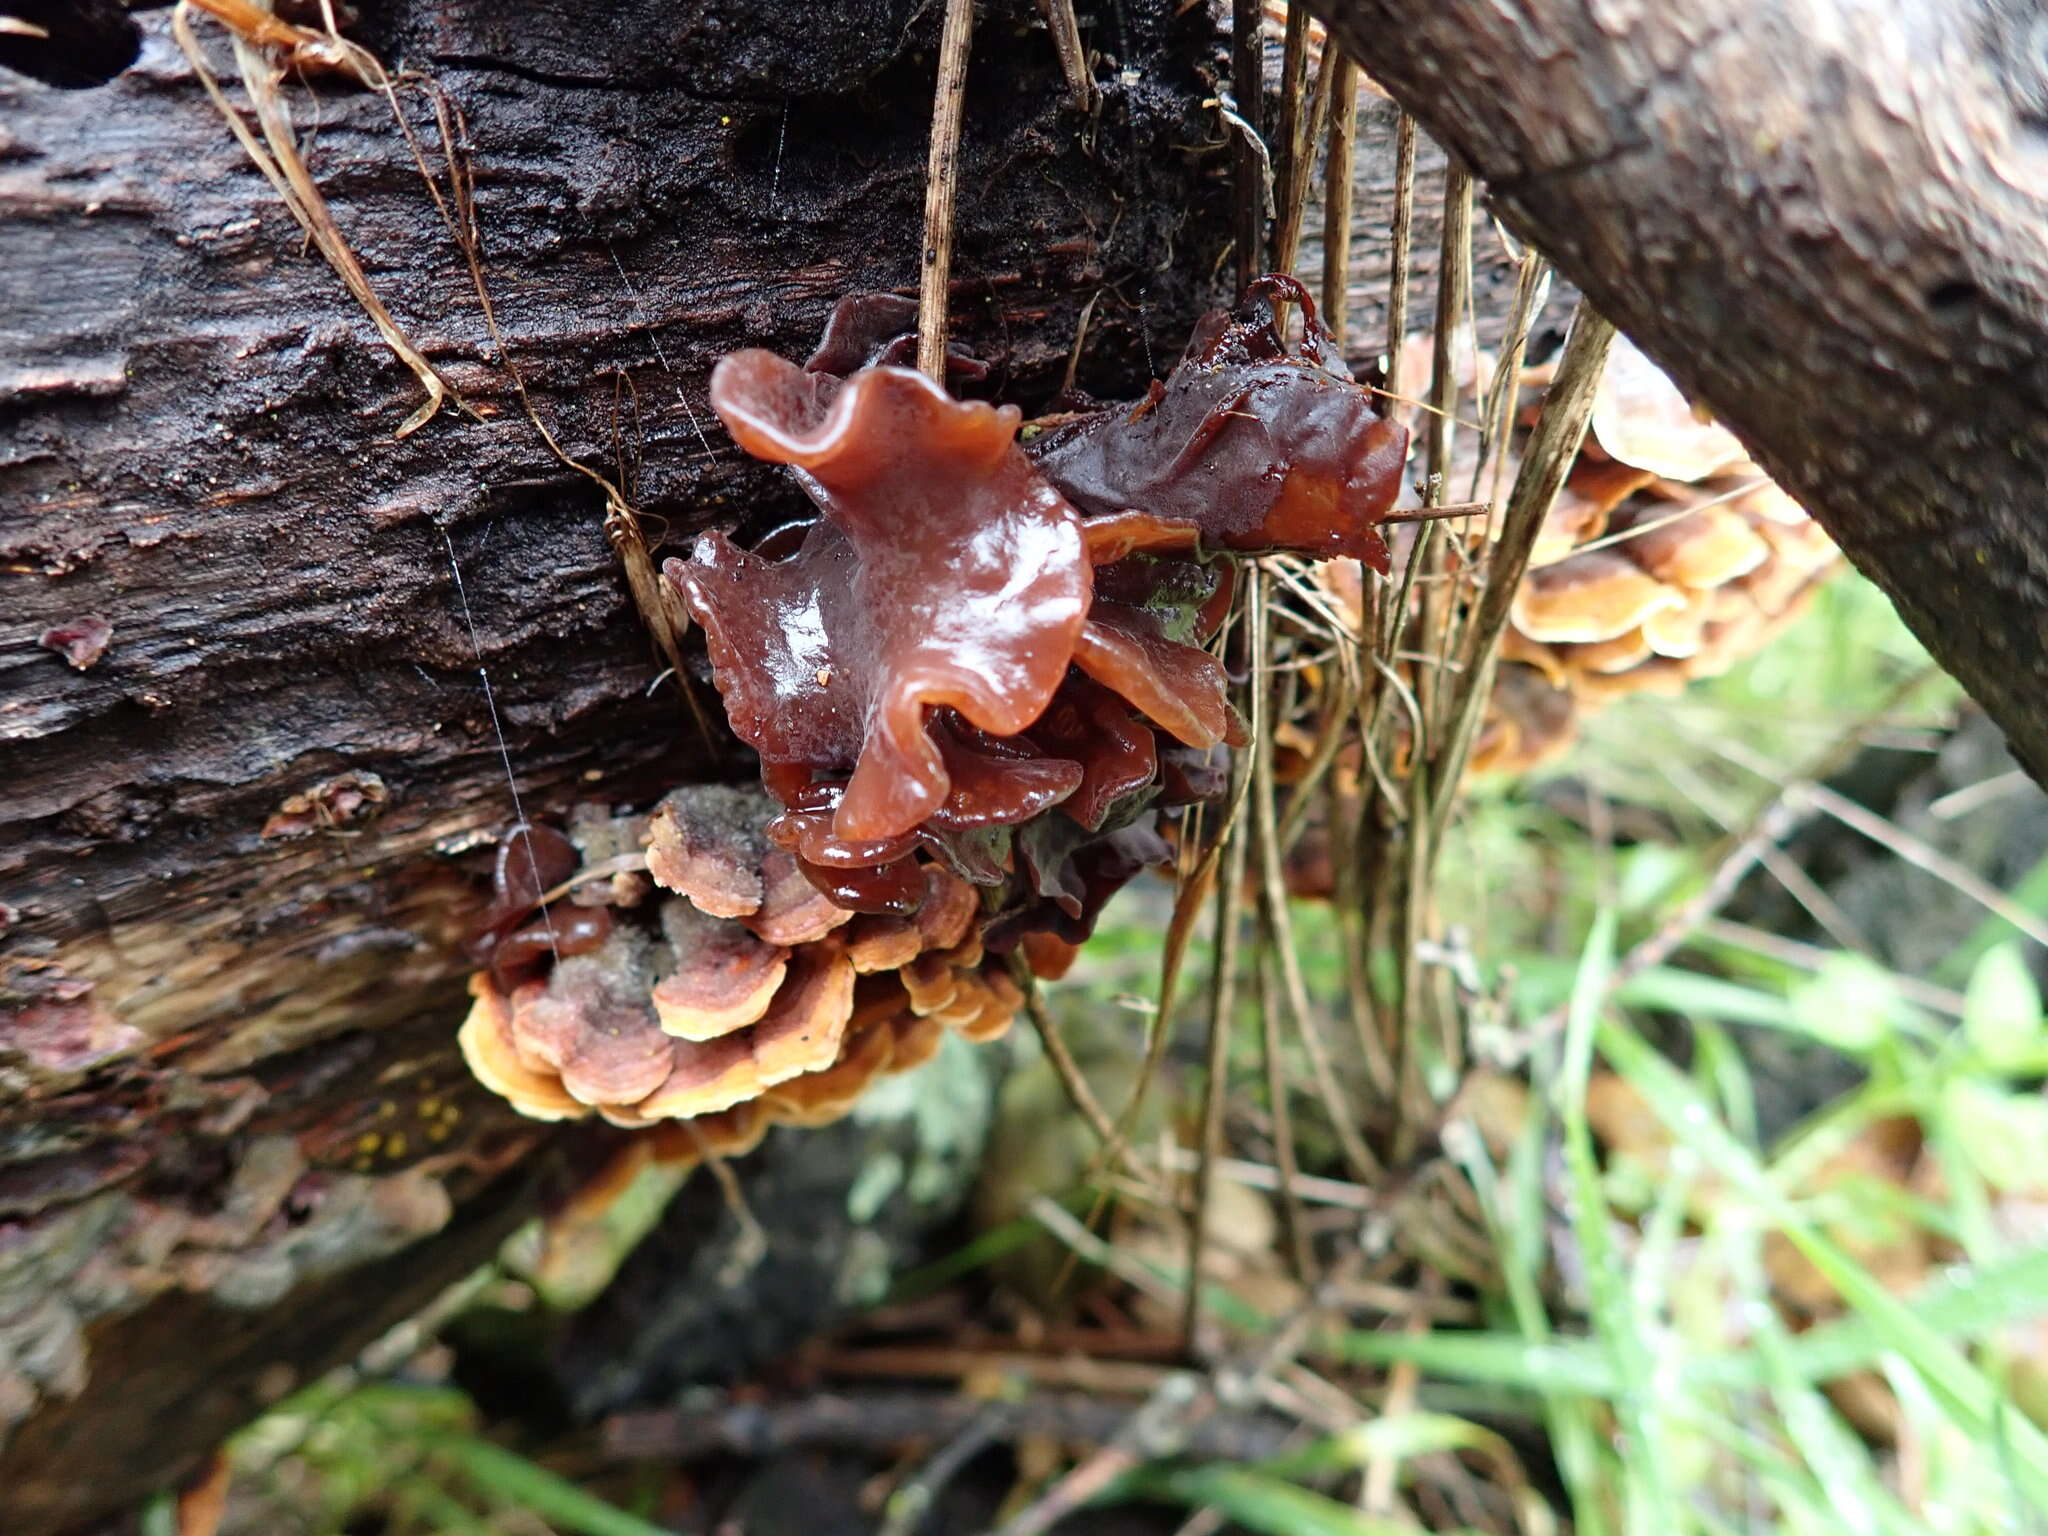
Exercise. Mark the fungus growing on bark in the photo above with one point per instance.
(1597, 595)
(1640, 418)
(1259, 445)
(1665, 557)
(81, 642)
(974, 635)
(973, 693)
(944, 573)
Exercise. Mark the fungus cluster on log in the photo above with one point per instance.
(978, 684)
(1667, 557)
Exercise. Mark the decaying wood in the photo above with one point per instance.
(242, 848)
(250, 782)
(1825, 219)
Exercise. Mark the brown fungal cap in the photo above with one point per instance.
(819, 1098)
(793, 910)
(916, 1039)
(1595, 595)
(1703, 548)
(877, 943)
(486, 1041)
(1616, 655)
(705, 841)
(591, 1021)
(800, 1032)
(1584, 503)
(724, 977)
(1641, 418)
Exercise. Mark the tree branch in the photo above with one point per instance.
(1824, 220)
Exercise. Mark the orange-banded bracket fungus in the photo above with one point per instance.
(976, 683)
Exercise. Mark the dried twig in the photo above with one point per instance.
(941, 188)
(1073, 54)
(1293, 208)
(1403, 239)
(1337, 173)
(1111, 1142)
(880, 1421)
(1222, 1003)
(1289, 168)
(1250, 165)
(1553, 447)
(257, 38)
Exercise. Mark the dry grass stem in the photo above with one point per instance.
(1073, 53)
(1250, 163)
(1338, 169)
(941, 189)
(277, 154)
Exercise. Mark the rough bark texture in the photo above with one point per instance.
(1825, 219)
(226, 1064)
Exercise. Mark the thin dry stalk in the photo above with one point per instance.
(1073, 1080)
(1338, 169)
(1314, 113)
(750, 1246)
(1222, 1002)
(1249, 164)
(941, 189)
(1403, 240)
(1277, 927)
(1289, 171)
(277, 155)
(660, 612)
(1073, 54)
(1273, 1063)
(1553, 447)
(1430, 554)
(1532, 286)
(1453, 295)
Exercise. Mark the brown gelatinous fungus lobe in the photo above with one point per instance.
(972, 704)
(1260, 445)
(946, 573)
(81, 642)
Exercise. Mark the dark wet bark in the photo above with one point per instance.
(241, 850)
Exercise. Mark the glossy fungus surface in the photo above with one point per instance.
(1256, 443)
(945, 572)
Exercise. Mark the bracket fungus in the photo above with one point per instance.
(729, 1021)
(976, 683)
(1665, 557)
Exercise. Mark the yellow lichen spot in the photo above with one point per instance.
(439, 1132)
(368, 1143)
(395, 1147)
(387, 1110)
(429, 1108)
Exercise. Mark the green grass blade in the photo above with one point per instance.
(1256, 1500)
(1966, 1395)
(512, 1479)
